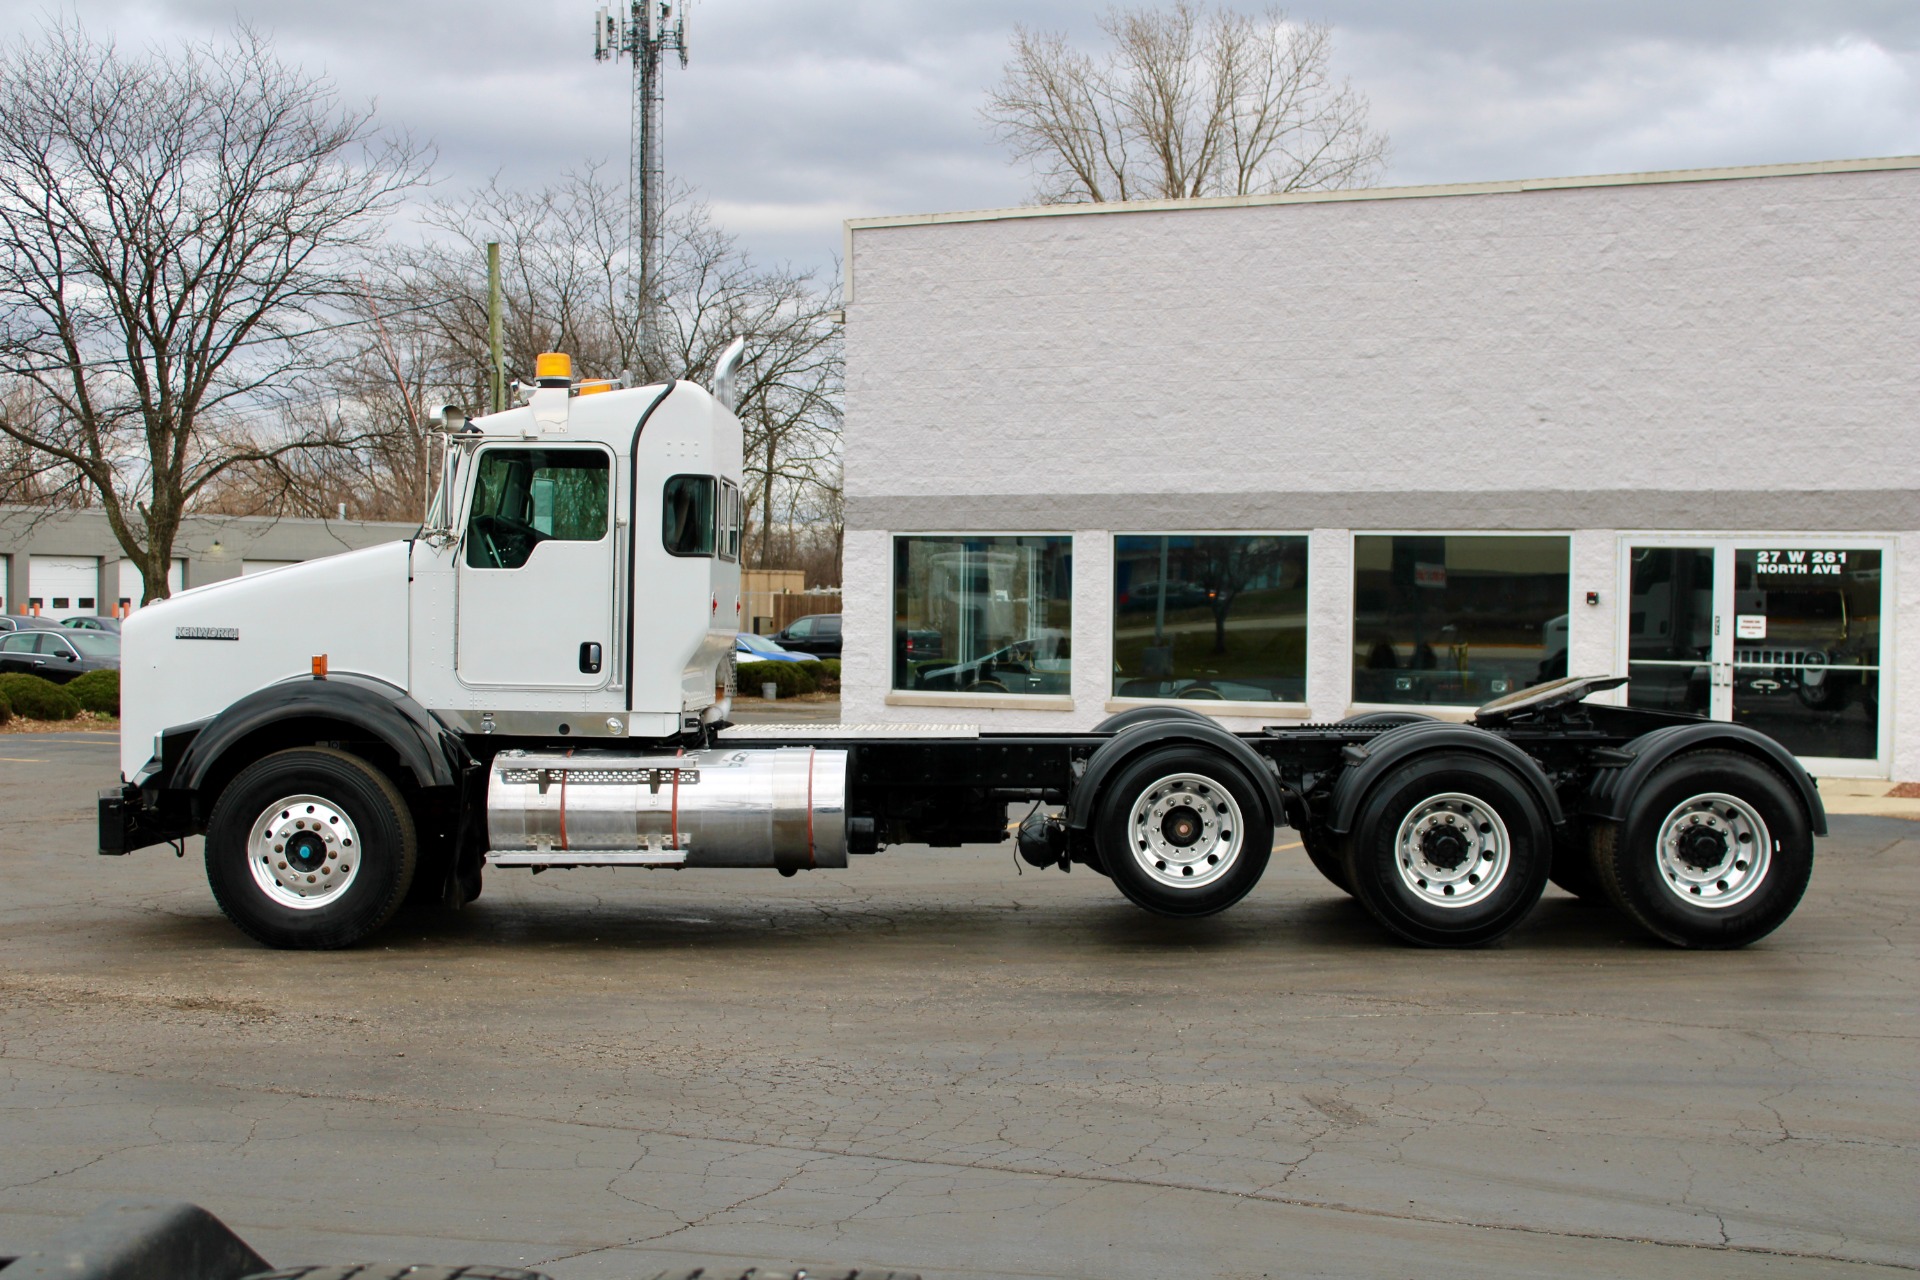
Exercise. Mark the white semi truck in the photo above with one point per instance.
(541, 678)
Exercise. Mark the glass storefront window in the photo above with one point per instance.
(1210, 617)
(1806, 648)
(988, 614)
(1457, 620)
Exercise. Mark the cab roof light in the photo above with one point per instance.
(553, 369)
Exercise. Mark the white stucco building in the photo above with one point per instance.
(1286, 458)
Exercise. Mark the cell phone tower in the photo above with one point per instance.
(649, 30)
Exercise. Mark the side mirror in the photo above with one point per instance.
(437, 529)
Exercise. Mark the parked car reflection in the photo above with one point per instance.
(752, 648)
(1041, 664)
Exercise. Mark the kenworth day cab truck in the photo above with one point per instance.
(542, 678)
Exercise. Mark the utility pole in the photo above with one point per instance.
(499, 379)
(649, 31)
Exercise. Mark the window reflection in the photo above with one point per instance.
(1806, 649)
(1457, 620)
(1210, 618)
(983, 614)
(1670, 628)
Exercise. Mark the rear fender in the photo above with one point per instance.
(1142, 737)
(1613, 789)
(1369, 762)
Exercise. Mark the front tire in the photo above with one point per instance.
(1715, 852)
(1184, 832)
(310, 849)
(1449, 850)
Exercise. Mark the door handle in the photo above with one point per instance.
(590, 658)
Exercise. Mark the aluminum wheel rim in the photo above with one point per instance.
(304, 852)
(1713, 882)
(1186, 831)
(1442, 828)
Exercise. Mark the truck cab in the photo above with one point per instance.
(578, 576)
(576, 580)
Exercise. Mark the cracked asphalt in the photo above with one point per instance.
(930, 1062)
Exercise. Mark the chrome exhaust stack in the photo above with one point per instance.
(784, 808)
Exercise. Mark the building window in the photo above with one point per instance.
(983, 614)
(1210, 618)
(1457, 620)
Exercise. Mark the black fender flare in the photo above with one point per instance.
(1150, 715)
(1611, 793)
(431, 753)
(1169, 730)
(1369, 762)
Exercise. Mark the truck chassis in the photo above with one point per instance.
(328, 802)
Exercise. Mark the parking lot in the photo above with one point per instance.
(931, 1062)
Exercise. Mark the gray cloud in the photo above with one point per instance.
(796, 114)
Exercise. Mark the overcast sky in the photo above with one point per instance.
(795, 114)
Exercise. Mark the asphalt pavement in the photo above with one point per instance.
(933, 1062)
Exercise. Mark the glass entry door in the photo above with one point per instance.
(1782, 636)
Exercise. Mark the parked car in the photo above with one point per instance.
(56, 654)
(26, 622)
(89, 623)
(817, 633)
(752, 648)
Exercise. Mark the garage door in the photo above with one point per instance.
(130, 583)
(65, 586)
(261, 566)
(6, 596)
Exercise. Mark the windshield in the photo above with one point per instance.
(758, 645)
(94, 644)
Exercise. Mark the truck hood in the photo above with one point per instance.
(186, 658)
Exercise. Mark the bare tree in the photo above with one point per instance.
(179, 235)
(569, 286)
(1191, 100)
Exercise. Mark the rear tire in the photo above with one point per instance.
(310, 849)
(1573, 864)
(1324, 853)
(1715, 852)
(1184, 832)
(1449, 850)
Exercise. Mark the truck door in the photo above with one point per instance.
(536, 569)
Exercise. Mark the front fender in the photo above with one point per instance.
(430, 753)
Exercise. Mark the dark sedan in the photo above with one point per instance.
(26, 622)
(59, 655)
(91, 623)
(817, 633)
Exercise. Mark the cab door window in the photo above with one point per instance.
(523, 497)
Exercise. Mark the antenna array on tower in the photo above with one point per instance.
(648, 30)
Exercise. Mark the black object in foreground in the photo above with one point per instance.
(147, 1240)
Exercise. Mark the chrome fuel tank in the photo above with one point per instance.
(785, 807)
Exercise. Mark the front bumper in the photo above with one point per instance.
(127, 823)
